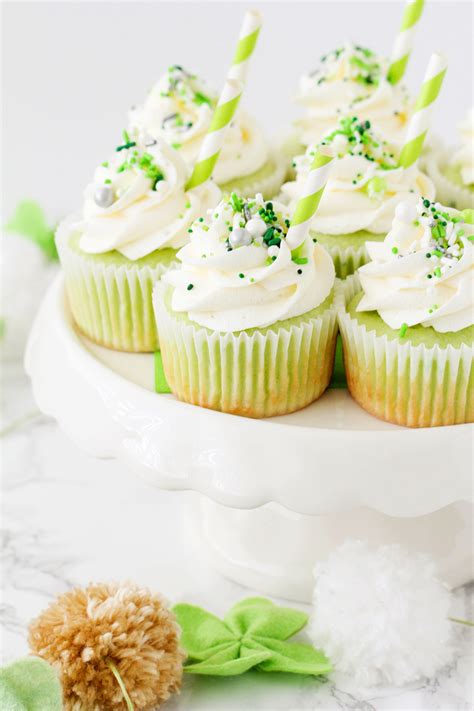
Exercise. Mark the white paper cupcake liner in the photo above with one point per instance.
(447, 192)
(347, 260)
(111, 304)
(254, 374)
(411, 385)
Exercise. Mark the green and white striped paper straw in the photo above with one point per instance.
(420, 121)
(405, 39)
(245, 47)
(309, 200)
(214, 138)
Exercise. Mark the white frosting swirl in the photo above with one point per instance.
(149, 208)
(364, 185)
(406, 286)
(464, 156)
(253, 285)
(351, 80)
(179, 109)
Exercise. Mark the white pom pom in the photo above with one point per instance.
(381, 615)
(26, 274)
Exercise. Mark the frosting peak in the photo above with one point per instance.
(365, 185)
(137, 202)
(238, 272)
(351, 63)
(351, 79)
(179, 109)
(423, 272)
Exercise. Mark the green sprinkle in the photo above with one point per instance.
(403, 330)
(437, 272)
(300, 260)
(200, 98)
(241, 276)
(189, 287)
(394, 250)
(107, 181)
(129, 144)
(236, 202)
(105, 164)
(176, 146)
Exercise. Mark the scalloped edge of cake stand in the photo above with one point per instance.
(294, 461)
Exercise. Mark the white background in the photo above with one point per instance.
(71, 70)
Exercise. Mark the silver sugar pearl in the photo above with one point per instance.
(240, 237)
(104, 196)
(256, 226)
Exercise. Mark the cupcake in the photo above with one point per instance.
(452, 170)
(363, 190)
(247, 326)
(408, 332)
(136, 216)
(179, 109)
(351, 80)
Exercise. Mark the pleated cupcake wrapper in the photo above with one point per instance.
(111, 305)
(270, 185)
(261, 374)
(347, 259)
(447, 192)
(406, 384)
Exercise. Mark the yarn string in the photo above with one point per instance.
(123, 689)
(468, 623)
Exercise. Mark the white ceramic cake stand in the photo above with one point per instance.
(276, 495)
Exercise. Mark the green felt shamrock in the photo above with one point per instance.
(29, 684)
(29, 221)
(252, 634)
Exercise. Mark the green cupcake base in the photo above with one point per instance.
(110, 296)
(267, 180)
(348, 251)
(254, 373)
(424, 379)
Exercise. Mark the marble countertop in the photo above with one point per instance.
(68, 519)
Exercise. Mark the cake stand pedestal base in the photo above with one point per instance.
(277, 495)
(273, 550)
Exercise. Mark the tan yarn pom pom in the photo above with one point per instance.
(86, 630)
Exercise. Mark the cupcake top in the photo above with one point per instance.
(351, 80)
(137, 201)
(179, 109)
(365, 184)
(423, 272)
(463, 158)
(238, 271)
